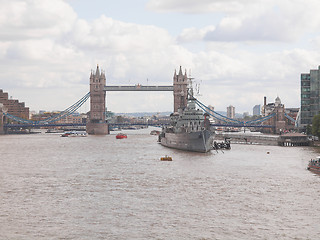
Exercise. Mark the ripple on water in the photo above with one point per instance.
(102, 188)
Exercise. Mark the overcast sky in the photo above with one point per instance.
(238, 50)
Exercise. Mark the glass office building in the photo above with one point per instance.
(310, 92)
(256, 110)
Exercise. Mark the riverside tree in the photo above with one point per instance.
(316, 125)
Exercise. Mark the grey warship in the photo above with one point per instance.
(189, 128)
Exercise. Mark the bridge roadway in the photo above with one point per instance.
(137, 88)
(17, 126)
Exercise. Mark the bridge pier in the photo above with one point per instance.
(97, 124)
(97, 128)
(1, 119)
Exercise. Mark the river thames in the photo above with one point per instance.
(97, 187)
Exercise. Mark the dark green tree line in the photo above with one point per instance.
(316, 125)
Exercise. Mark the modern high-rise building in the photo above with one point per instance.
(256, 110)
(245, 114)
(310, 96)
(231, 112)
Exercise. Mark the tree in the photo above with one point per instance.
(309, 129)
(316, 125)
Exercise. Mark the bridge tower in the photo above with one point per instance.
(180, 90)
(97, 124)
(280, 122)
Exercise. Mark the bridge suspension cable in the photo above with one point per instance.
(208, 110)
(290, 118)
(69, 110)
(230, 120)
(55, 117)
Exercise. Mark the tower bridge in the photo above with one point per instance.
(137, 88)
(97, 121)
(98, 125)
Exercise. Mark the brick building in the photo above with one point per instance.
(279, 120)
(13, 106)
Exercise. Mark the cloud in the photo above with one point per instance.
(108, 34)
(47, 48)
(194, 34)
(284, 21)
(199, 6)
(275, 23)
(127, 48)
(242, 78)
(47, 52)
(248, 20)
(34, 19)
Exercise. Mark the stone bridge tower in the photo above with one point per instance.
(180, 90)
(97, 118)
(280, 122)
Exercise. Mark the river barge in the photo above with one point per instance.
(314, 165)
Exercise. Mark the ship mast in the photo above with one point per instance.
(190, 86)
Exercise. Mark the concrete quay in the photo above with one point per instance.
(249, 138)
(285, 140)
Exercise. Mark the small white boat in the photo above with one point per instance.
(154, 132)
(74, 134)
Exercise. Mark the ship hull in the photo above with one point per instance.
(200, 141)
(315, 169)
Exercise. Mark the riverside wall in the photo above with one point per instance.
(243, 138)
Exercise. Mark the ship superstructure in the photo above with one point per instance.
(189, 128)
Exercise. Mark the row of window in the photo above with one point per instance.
(305, 83)
(305, 89)
(309, 98)
(305, 76)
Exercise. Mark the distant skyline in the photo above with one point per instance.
(239, 51)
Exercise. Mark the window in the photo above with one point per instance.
(305, 89)
(305, 83)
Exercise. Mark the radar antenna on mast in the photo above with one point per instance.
(197, 87)
(190, 86)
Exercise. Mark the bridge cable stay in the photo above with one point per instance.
(210, 110)
(221, 119)
(69, 110)
(290, 118)
(54, 118)
(206, 109)
(260, 120)
(18, 119)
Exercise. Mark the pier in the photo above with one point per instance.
(285, 140)
(294, 139)
(242, 138)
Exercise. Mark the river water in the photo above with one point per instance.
(97, 187)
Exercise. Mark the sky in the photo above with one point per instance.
(237, 50)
